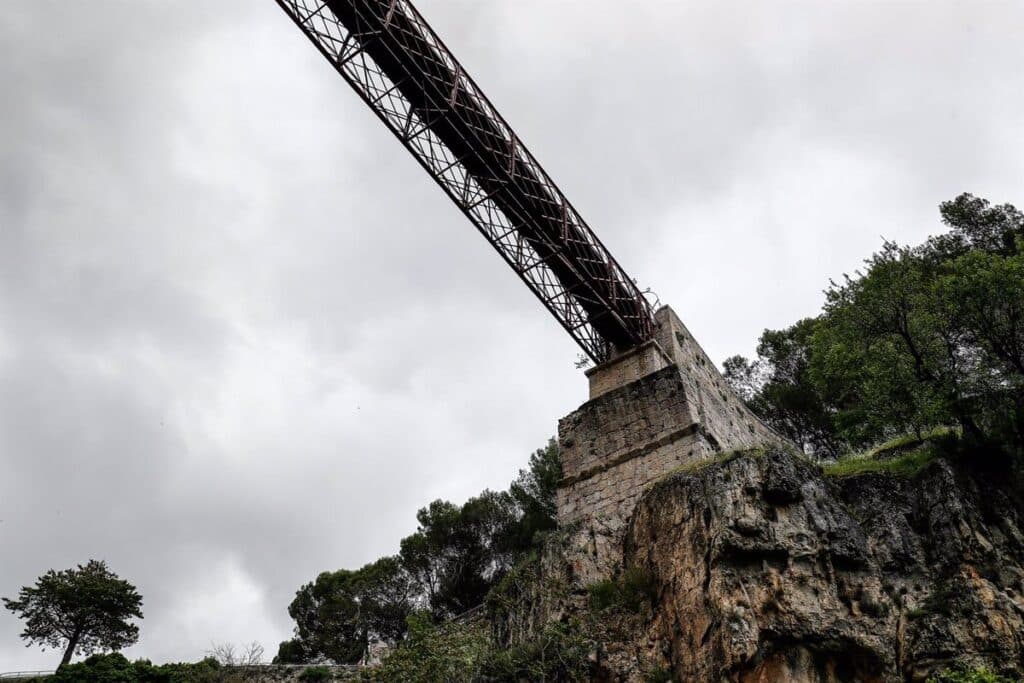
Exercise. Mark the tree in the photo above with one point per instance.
(534, 494)
(982, 296)
(885, 355)
(340, 613)
(226, 654)
(933, 334)
(458, 553)
(976, 225)
(920, 337)
(82, 610)
(779, 388)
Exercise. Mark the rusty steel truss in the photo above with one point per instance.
(396, 63)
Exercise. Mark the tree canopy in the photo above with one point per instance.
(447, 566)
(921, 336)
(82, 610)
(341, 612)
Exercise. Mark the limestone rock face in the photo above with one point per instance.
(768, 571)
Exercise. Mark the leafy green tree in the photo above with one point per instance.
(981, 295)
(779, 388)
(457, 553)
(745, 377)
(292, 652)
(340, 613)
(82, 610)
(976, 225)
(883, 353)
(533, 492)
(921, 336)
(933, 334)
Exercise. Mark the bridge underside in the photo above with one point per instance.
(403, 71)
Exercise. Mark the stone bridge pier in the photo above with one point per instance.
(652, 409)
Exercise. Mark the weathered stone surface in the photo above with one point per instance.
(767, 571)
(657, 407)
(626, 368)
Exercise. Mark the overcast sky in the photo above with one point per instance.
(243, 337)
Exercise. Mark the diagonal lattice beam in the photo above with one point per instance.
(396, 63)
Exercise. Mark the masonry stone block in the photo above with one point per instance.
(651, 410)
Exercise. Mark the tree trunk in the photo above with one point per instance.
(72, 644)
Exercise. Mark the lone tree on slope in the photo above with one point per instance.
(83, 609)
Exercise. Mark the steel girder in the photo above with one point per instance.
(396, 63)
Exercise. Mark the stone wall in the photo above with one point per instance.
(626, 368)
(291, 673)
(613, 445)
(720, 412)
(653, 409)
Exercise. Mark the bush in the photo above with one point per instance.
(659, 675)
(462, 652)
(973, 676)
(559, 653)
(436, 653)
(115, 668)
(315, 674)
(631, 591)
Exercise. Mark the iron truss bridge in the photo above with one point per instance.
(396, 63)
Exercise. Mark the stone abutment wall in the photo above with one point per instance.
(652, 410)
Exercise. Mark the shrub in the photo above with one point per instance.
(463, 652)
(315, 674)
(938, 602)
(603, 594)
(449, 652)
(659, 675)
(115, 668)
(558, 653)
(630, 591)
(973, 676)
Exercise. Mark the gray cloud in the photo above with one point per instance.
(243, 338)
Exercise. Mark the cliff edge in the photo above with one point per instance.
(760, 567)
(767, 570)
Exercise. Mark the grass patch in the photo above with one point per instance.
(719, 458)
(902, 456)
(909, 440)
(907, 465)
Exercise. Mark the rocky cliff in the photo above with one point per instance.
(764, 569)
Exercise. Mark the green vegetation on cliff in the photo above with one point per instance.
(465, 651)
(923, 336)
(973, 676)
(448, 566)
(922, 352)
